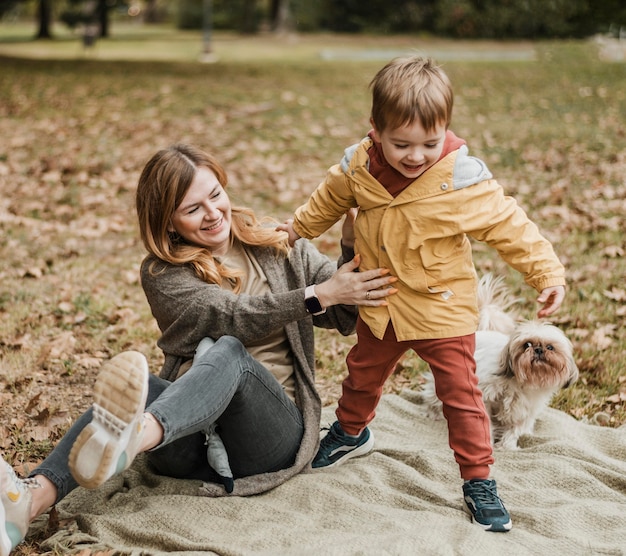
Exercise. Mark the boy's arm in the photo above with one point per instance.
(328, 203)
(500, 222)
(288, 227)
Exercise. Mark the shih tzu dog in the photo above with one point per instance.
(520, 366)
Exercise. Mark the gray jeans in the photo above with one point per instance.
(258, 423)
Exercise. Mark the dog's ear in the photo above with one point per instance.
(572, 369)
(505, 365)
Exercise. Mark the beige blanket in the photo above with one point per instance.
(565, 490)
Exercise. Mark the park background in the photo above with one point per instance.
(277, 90)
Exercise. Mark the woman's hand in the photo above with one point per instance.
(347, 287)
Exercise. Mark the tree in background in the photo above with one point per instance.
(45, 19)
(7, 5)
(239, 15)
(151, 12)
(280, 16)
(498, 19)
(44, 15)
(91, 13)
(245, 16)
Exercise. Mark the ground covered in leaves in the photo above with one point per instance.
(75, 135)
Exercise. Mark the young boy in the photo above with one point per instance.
(419, 197)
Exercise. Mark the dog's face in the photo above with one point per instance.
(539, 355)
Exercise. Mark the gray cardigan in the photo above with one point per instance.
(187, 309)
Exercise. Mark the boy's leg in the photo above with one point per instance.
(370, 363)
(452, 363)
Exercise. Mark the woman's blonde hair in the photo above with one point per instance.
(163, 184)
(411, 89)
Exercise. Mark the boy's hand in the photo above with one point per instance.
(551, 298)
(288, 227)
(347, 230)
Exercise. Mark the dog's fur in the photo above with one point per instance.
(520, 366)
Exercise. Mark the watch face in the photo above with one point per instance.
(313, 305)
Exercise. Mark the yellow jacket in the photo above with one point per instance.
(422, 237)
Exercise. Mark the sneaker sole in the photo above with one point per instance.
(120, 394)
(360, 451)
(5, 541)
(503, 528)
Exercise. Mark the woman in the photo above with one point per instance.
(236, 309)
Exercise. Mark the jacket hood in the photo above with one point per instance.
(467, 170)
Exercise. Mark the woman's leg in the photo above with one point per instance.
(54, 474)
(260, 426)
(261, 430)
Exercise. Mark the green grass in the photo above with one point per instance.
(78, 126)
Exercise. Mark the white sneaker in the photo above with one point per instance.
(15, 500)
(109, 444)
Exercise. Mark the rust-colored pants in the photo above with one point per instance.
(370, 363)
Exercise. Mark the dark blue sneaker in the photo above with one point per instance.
(337, 447)
(484, 504)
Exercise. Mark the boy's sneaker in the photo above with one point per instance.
(484, 505)
(15, 500)
(108, 445)
(337, 446)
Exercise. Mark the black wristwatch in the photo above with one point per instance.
(312, 302)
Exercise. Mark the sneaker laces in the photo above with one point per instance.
(485, 494)
(31, 482)
(22, 484)
(331, 438)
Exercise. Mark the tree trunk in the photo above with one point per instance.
(103, 18)
(151, 12)
(280, 16)
(45, 18)
(247, 23)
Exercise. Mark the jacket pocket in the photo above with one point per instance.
(438, 263)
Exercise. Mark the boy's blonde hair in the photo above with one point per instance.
(411, 89)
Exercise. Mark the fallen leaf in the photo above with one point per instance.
(32, 403)
(615, 294)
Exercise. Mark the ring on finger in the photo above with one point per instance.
(367, 295)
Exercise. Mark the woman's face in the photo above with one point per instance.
(204, 215)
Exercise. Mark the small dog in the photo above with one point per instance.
(519, 366)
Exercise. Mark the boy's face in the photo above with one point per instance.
(410, 149)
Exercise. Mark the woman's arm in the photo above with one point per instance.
(341, 290)
(187, 309)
